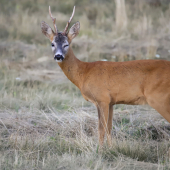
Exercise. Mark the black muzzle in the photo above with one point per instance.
(58, 57)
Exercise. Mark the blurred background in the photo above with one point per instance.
(44, 121)
(111, 30)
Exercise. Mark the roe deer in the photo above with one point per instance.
(107, 83)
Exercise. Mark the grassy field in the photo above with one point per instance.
(45, 124)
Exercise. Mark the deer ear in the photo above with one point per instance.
(47, 31)
(73, 32)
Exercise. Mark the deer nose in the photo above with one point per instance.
(58, 57)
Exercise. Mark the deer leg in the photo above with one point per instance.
(109, 125)
(103, 114)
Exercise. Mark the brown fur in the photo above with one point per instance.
(108, 83)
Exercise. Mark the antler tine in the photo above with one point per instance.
(68, 23)
(53, 19)
(72, 15)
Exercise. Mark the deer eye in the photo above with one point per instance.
(65, 46)
(52, 45)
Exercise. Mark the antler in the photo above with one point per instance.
(68, 23)
(53, 19)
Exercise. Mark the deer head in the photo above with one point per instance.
(60, 41)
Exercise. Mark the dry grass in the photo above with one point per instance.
(44, 121)
(68, 139)
(40, 128)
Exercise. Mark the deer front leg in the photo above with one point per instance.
(103, 114)
(109, 125)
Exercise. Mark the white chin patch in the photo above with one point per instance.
(58, 61)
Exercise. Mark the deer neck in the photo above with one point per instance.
(73, 68)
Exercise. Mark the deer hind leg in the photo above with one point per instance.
(103, 114)
(109, 125)
(161, 104)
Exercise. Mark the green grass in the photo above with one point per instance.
(15, 94)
